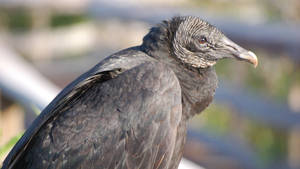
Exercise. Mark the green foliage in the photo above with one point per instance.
(16, 20)
(282, 86)
(269, 143)
(20, 19)
(66, 20)
(35, 109)
(216, 119)
(222, 67)
(4, 149)
(255, 79)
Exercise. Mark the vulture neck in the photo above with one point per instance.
(197, 85)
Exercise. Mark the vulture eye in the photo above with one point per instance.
(202, 40)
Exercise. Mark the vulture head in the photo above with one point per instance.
(200, 44)
(196, 43)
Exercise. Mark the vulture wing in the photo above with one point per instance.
(112, 119)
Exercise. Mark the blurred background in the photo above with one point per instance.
(254, 121)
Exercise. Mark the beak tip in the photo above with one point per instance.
(253, 58)
(255, 65)
(249, 57)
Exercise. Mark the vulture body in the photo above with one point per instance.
(131, 109)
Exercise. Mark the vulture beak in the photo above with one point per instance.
(239, 52)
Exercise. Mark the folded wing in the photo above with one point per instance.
(116, 119)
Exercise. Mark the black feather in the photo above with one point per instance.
(129, 111)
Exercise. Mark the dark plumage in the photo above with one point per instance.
(131, 109)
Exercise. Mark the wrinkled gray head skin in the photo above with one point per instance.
(196, 43)
(200, 44)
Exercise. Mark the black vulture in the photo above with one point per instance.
(131, 109)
